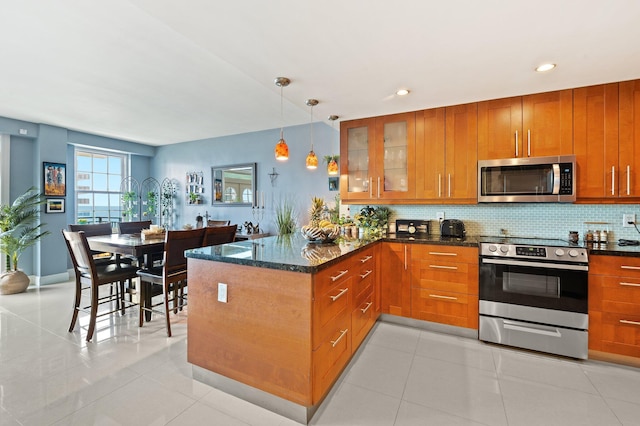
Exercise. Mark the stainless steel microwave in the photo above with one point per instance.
(527, 180)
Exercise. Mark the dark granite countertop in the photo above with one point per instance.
(613, 249)
(292, 253)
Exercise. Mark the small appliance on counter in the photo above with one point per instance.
(412, 228)
(452, 228)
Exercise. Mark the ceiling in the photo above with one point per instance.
(162, 71)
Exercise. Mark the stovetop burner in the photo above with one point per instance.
(554, 250)
(528, 241)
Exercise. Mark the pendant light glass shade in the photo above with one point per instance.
(332, 167)
(312, 160)
(282, 150)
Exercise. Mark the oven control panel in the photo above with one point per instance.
(517, 251)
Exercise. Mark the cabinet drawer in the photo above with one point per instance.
(365, 259)
(362, 319)
(615, 265)
(605, 291)
(331, 357)
(457, 309)
(327, 308)
(621, 333)
(446, 276)
(324, 280)
(363, 285)
(436, 253)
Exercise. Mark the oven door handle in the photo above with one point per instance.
(528, 328)
(536, 264)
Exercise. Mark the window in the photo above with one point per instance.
(98, 178)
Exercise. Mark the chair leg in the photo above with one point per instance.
(142, 294)
(121, 297)
(167, 312)
(94, 312)
(76, 305)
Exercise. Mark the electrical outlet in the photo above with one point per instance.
(222, 292)
(440, 216)
(628, 220)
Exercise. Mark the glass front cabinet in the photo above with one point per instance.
(378, 158)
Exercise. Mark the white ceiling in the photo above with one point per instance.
(165, 71)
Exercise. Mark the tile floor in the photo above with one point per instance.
(402, 376)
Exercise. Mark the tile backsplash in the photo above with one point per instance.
(544, 220)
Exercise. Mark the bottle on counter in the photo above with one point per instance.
(604, 237)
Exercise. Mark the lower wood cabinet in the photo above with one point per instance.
(614, 305)
(444, 284)
(395, 279)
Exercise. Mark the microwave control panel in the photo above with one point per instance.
(566, 178)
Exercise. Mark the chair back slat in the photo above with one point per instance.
(212, 222)
(79, 251)
(176, 242)
(219, 235)
(93, 229)
(133, 227)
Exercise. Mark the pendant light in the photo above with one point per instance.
(282, 150)
(312, 159)
(332, 165)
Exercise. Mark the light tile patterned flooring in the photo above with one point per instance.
(402, 376)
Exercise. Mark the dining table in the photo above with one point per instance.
(145, 249)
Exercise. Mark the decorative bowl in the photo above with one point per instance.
(316, 234)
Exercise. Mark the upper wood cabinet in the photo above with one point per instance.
(629, 139)
(595, 118)
(378, 158)
(446, 161)
(526, 126)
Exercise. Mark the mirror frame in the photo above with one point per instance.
(222, 169)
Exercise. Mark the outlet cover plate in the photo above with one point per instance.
(626, 218)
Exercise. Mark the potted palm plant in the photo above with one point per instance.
(19, 230)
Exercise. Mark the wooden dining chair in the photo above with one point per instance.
(212, 222)
(133, 227)
(170, 279)
(91, 276)
(219, 235)
(92, 230)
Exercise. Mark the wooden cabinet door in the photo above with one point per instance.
(547, 120)
(461, 159)
(629, 141)
(595, 118)
(357, 159)
(394, 172)
(395, 279)
(500, 129)
(430, 154)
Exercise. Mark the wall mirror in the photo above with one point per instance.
(234, 185)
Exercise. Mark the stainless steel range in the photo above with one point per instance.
(533, 295)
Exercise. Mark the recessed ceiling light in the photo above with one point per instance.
(545, 67)
(402, 92)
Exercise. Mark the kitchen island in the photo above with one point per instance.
(275, 320)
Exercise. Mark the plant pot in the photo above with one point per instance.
(13, 282)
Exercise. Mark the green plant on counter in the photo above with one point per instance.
(285, 217)
(373, 217)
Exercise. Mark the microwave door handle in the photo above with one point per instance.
(556, 179)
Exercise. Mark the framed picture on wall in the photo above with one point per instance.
(334, 184)
(55, 205)
(54, 179)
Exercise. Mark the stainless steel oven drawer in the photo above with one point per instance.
(545, 338)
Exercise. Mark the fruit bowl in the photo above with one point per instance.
(318, 234)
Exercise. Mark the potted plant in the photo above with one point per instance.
(19, 231)
(128, 203)
(285, 216)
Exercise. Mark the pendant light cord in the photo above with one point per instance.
(281, 115)
(311, 127)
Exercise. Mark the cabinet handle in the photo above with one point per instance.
(613, 180)
(366, 274)
(437, 296)
(378, 186)
(370, 187)
(630, 322)
(439, 253)
(339, 275)
(449, 185)
(516, 143)
(635, 268)
(439, 185)
(455, 268)
(405, 257)
(366, 259)
(343, 291)
(342, 333)
(628, 180)
(366, 308)
(630, 284)
(529, 143)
